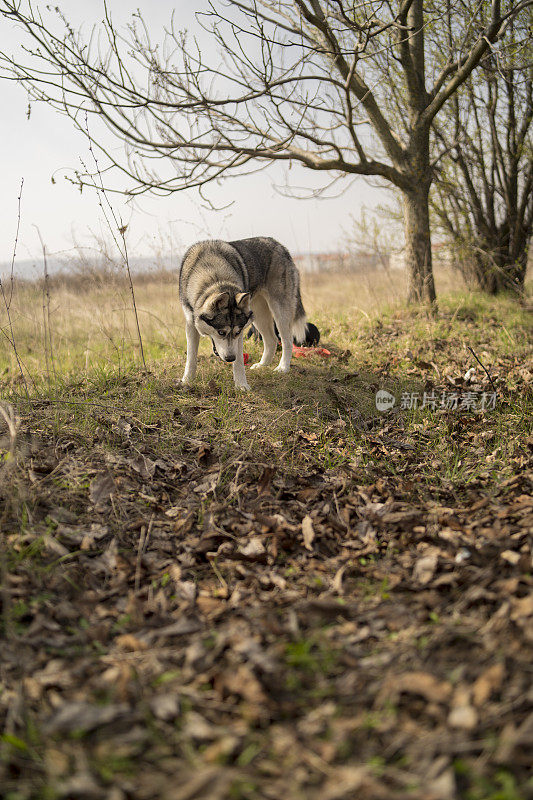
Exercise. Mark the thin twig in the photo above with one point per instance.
(140, 547)
(483, 366)
(120, 228)
(48, 347)
(12, 277)
(143, 541)
(7, 304)
(11, 339)
(8, 413)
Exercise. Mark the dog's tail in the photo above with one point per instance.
(299, 324)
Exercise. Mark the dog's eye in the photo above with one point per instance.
(221, 333)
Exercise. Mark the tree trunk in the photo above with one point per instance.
(418, 245)
(510, 279)
(496, 271)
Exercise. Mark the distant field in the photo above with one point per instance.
(92, 323)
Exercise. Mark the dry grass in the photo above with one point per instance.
(366, 292)
(92, 323)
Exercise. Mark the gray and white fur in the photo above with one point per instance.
(223, 285)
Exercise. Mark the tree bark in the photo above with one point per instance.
(418, 245)
(497, 272)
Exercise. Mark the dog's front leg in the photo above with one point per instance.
(285, 333)
(193, 340)
(239, 373)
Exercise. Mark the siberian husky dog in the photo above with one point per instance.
(223, 285)
(312, 335)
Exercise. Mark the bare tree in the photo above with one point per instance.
(342, 88)
(483, 195)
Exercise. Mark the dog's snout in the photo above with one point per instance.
(229, 358)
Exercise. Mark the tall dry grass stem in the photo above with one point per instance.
(7, 412)
(118, 230)
(47, 325)
(14, 255)
(7, 301)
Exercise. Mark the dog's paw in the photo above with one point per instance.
(243, 387)
(282, 368)
(186, 381)
(258, 366)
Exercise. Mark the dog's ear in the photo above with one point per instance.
(243, 301)
(221, 301)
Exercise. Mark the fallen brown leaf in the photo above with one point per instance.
(308, 532)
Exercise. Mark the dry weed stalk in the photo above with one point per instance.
(12, 271)
(7, 301)
(7, 412)
(117, 229)
(47, 326)
(12, 421)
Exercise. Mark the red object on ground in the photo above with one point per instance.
(303, 352)
(246, 357)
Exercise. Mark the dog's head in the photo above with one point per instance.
(223, 317)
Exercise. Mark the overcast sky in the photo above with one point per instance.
(47, 145)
